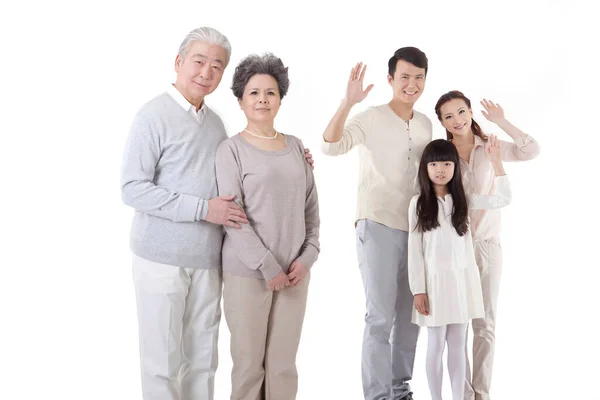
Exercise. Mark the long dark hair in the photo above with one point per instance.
(427, 204)
(455, 94)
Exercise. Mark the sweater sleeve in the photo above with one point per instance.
(138, 190)
(311, 247)
(247, 245)
(416, 257)
(354, 135)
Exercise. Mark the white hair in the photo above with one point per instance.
(205, 34)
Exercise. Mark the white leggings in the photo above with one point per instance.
(456, 336)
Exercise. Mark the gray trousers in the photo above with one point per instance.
(390, 339)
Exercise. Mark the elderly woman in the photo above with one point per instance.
(266, 263)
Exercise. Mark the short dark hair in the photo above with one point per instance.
(267, 64)
(409, 54)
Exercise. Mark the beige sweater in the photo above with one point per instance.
(390, 151)
(278, 193)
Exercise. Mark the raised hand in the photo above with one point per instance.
(493, 112)
(354, 92)
(223, 211)
(492, 149)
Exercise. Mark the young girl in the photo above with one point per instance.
(443, 275)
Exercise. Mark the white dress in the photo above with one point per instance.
(442, 264)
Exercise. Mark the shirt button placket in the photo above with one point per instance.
(409, 138)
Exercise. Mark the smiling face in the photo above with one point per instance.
(408, 82)
(456, 117)
(200, 71)
(261, 100)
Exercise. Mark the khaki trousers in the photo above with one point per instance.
(265, 329)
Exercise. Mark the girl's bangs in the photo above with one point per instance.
(440, 150)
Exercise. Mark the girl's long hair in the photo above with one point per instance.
(427, 204)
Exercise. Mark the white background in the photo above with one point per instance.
(73, 75)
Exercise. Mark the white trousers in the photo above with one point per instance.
(488, 254)
(178, 316)
(437, 337)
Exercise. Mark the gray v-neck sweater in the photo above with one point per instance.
(168, 176)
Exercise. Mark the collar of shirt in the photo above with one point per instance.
(478, 141)
(182, 101)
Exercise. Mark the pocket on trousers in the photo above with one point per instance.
(360, 229)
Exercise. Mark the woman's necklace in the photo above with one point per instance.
(262, 137)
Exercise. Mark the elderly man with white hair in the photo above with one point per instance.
(168, 177)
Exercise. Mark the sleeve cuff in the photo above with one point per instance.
(523, 141)
(269, 266)
(202, 210)
(328, 148)
(418, 288)
(308, 256)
